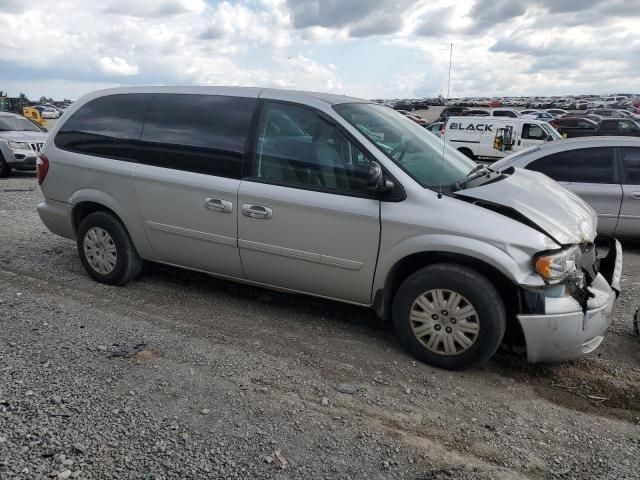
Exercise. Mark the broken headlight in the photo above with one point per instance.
(560, 265)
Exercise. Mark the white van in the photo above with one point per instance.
(489, 138)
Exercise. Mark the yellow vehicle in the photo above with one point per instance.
(34, 115)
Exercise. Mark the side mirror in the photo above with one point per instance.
(549, 138)
(376, 183)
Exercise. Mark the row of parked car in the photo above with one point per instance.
(582, 102)
(51, 111)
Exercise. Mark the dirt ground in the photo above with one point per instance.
(179, 375)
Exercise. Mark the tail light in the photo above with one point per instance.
(42, 168)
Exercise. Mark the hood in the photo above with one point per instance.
(562, 215)
(29, 137)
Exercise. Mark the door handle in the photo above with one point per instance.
(635, 195)
(256, 211)
(218, 205)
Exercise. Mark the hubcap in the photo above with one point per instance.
(444, 322)
(100, 250)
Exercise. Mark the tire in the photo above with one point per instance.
(467, 152)
(117, 243)
(483, 329)
(5, 169)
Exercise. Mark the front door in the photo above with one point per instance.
(629, 222)
(306, 221)
(532, 134)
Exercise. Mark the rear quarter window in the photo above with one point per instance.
(108, 126)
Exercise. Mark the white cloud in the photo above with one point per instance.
(117, 66)
(517, 48)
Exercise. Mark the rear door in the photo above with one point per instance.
(306, 220)
(187, 182)
(592, 174)
(629, 222)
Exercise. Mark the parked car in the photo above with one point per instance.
(606, 126)
(629, 113)
(571, 126)
(402, 105)
(493, 112)
(47, 112)
(435, 128)
(489, 138)
(606, 102)
(604, 171)
(544, 116)
(330, 196)
(606, 112)
(527, 112)
(415, 118)
(20, 142)
(420, 105)
(451, 111)
(557, 112)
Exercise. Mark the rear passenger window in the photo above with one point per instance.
(631, 162)
(197, 133)
(587, 165)
(297, 147)
(108, 126)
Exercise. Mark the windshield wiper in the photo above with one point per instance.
(477, 172)
(478, 168)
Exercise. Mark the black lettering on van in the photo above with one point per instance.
(454, 126)
(470, 127)
(488, 128)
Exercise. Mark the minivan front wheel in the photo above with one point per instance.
(449, 316)
(106, 250)
(5, 169)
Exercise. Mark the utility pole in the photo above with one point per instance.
(449, 80)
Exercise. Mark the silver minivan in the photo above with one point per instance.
(335, 197)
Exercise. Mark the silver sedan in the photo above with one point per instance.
(604, 171)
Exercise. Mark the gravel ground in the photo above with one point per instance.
(179, 375)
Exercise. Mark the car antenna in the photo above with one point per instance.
(445, 120)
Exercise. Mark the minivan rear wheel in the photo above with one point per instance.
(449, 316)
(106, 250)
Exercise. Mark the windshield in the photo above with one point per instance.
(551, 131)
(17, 124)
(411, 147)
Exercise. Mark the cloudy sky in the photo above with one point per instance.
(366, 48)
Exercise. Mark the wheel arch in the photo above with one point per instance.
(410, 264)
(467, 151)
(88, 201)
(504, 270)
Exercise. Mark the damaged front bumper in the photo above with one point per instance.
(564, 329)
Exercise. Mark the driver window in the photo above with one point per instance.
(532, 131)
(297, 147)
